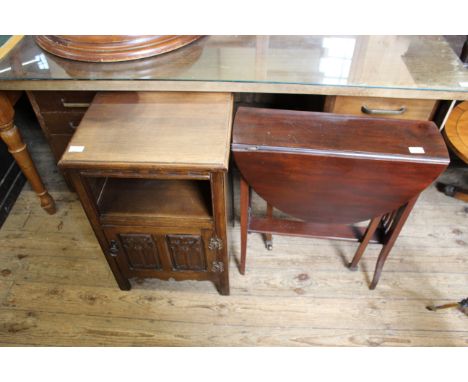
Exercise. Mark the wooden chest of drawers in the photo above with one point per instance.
(59, 114)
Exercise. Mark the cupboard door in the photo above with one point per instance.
(191, 252)
(143, 251)
(135, 250)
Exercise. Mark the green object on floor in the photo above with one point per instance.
(4, 39)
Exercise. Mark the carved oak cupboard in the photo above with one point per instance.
(153, 186)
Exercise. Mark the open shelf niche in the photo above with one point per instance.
(151, 199)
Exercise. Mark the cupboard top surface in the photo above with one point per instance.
(153, 129)
(257, 129)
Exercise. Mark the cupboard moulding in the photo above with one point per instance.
(235, 87)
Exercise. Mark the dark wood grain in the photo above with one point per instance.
(331, 171)
(335, 169)
(309, 229)
(332, 190)
(335, 132)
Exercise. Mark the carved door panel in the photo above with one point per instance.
(140, 251)
(135, 251)
(186, 252)
(191, 252)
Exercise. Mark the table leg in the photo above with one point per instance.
(244, 220)
(10, 134)
(373, 225)
(398, 223)
(269, 236)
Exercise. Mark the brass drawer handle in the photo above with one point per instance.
(75, 104)
(72, 125)
(365, 109)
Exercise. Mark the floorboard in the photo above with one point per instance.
(56, 287)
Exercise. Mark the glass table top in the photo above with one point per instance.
(388, 62)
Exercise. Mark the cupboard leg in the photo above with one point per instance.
(10, 134)
(373, 225)
(268, 236)
(84, 193)
(398, 223)
(244, 211)
(223, 286)
(123, 283)
(219, 193)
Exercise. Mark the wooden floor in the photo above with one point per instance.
(56, 288)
